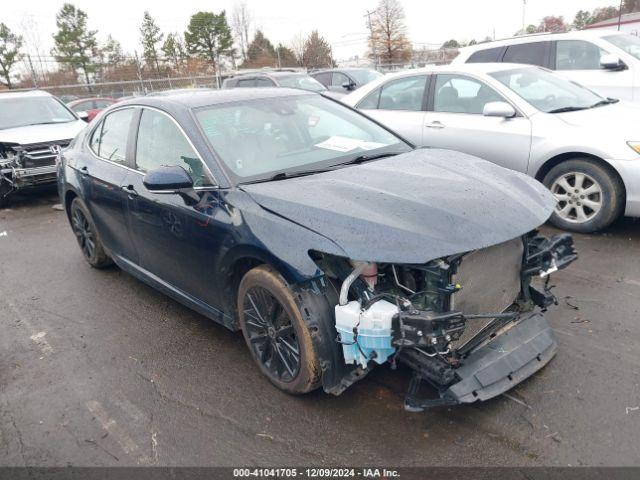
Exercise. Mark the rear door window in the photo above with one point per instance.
(246, 82)
(486, 56)
(403, 94)
(264, 82)
(528, 53)
(109, 140)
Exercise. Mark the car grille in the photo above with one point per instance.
(40, 154)
(490, 280)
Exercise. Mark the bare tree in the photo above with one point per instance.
(241, 26)
(296, 45)
(388, 39)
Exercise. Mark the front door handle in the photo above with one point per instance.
(131, 190)
(436, 124)
(84, 170)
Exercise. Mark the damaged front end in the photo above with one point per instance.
(470, 324)
(27, 165)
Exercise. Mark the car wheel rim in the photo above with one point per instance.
(579, 197)
(271, 334)
(84, 234)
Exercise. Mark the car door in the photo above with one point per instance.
(178, 235)
(104, 166)
(400, 104)
(455, 121)
(579, 60)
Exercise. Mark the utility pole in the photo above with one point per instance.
(34, 77)
(524, 10)
(374, 51)
(620, 14)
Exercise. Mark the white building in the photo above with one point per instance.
(629, 23)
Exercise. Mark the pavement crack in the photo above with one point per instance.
(219, 415)
(20, 441)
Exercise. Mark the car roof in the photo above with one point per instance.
(345, 69)
(462, 67)
(28, 93)
(203, 98)
(540, 37)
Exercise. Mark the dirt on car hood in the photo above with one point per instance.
(413, 207)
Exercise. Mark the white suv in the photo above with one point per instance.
(606, 61)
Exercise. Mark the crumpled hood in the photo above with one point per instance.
(413, 207)
(41, 133)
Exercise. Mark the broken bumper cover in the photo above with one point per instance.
(21, 177)
(505, 361)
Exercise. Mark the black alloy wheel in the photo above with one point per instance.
(271, 334)
(87, 236)
(275, 332)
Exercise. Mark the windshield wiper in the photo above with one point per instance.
(608, 101)
(567, 109)
(286, 175)
(366, 158)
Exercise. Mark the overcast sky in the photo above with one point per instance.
(341, 22)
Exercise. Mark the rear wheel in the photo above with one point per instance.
(88, 239)
(589, 197)
(279, 340)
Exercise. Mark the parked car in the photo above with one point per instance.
(286, 78)
(345, 80)
(34, 127)
(604, 60)
(88, 108)
(580, 145)
(293, 218)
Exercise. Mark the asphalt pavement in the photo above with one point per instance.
(96, 368)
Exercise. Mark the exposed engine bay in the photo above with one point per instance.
(444, 318)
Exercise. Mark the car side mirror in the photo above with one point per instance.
(349, 86)
(83, 115)
(499, 109)
(169, 179)
(611, 62)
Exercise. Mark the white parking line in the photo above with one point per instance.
(111, 426)
(123, 439)
(39, 340)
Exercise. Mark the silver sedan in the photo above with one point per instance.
(583, 147)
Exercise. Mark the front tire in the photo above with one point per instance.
(87, 235)
(589, 197)
(277, 336)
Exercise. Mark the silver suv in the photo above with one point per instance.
(34, 127)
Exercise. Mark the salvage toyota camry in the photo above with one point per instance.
(330, 241)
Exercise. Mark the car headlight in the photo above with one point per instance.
(635, 146)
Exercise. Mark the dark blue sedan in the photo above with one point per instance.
(326, 238)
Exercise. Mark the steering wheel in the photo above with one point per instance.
(549, 99)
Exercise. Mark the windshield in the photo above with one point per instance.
(628, 43)
(364, 76)
(22, 111)
(546, 91)
(303, 82)
(257, 139)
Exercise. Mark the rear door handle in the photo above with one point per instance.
(435, 124)
(130, 189)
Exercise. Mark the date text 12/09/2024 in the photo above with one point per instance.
(368, 472)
